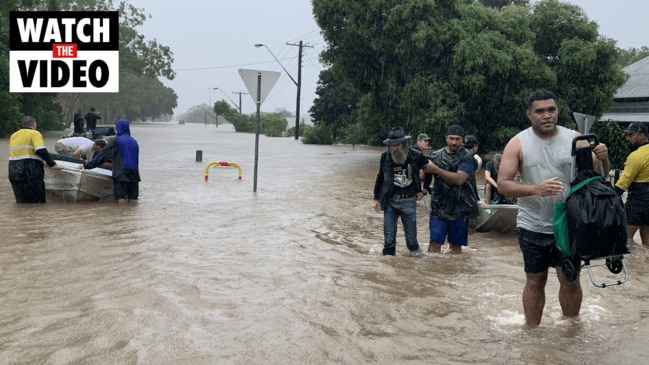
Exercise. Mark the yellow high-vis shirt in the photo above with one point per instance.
(24, 143)
(636, 168)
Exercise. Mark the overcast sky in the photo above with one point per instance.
(213, 39)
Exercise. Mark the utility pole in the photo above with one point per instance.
(300, 46)
(240, 93)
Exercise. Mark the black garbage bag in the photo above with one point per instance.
(595, 214)
(591, 223)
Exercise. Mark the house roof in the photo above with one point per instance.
(626, 117)
(637, 86)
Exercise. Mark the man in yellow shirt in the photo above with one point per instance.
(635, 180)
(26, 155)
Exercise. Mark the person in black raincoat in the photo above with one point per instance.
(124, 152)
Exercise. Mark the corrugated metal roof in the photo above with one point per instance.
(637, 86)
(626, 117)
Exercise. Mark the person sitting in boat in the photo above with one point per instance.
(77, 147)
(492, 196)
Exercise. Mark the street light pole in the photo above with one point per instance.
(232, 101)
(297, 83)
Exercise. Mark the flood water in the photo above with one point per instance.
(208, 272)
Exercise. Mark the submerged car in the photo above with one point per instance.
(106, 132)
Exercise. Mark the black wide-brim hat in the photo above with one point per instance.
(396, 136)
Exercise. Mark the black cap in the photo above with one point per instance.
(456, 130)
(636, 127)
(470, 141)
(423, 137)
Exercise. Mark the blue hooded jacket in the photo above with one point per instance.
(127, 145)
(123, 151)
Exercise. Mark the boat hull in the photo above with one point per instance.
(73, 185)
(496, 217)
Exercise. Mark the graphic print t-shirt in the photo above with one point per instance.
(402, 175)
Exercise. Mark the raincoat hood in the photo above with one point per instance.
(122, 127)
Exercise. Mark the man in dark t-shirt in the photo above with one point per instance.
(91, 120)
(397, 189)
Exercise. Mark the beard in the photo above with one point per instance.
(400, 155)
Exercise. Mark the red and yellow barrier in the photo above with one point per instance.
(222, 163)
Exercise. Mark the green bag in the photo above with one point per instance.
(560, 222)
(560, 228)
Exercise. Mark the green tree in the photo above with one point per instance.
(426, 64)
(141, 96)
(244, 123)
(499, 4)
(9, 103)
(334, 105)
(44, 107)
(631, 55)
(610, 133)
(272, 125)
(319, 134)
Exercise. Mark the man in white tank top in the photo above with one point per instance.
(542, 155)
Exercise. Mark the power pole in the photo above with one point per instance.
(240, 93)
(301, 45)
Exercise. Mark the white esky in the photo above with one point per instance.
(213, 39)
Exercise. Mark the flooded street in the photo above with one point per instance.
(211, 273)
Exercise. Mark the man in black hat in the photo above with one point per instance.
(635, 180)
(397, 189)
(453, 199)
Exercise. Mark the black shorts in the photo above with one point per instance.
(637, 205)
(539, 251)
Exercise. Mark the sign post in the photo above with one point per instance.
(584, 122)
(258, 91)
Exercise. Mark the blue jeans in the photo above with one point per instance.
(406, 208)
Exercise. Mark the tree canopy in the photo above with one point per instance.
(427, 64)
(142, 62)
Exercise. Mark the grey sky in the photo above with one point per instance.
(622, 20)
(212, 39)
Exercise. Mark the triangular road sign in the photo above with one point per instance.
(584, 122)
(268, 80)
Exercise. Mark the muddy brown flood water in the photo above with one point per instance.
(209, 273)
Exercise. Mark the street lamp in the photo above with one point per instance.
(297, 83)
(232, 101)
(209, 93)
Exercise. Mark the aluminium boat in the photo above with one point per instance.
(496, 217)
(70, 184)
(499, 218)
